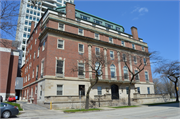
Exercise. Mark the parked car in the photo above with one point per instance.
(1, 98)
(8, 110)
(11, 99)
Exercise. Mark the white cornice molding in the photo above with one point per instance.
(2, 49)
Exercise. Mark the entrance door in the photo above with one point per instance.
(114, 91)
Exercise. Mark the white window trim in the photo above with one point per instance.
(33, 74)
(43, 46)
(80, 76)
(112, 40)
(78, 48)
(98, 90)
(63, 44)
(38, 51)
(145, 75)
(115, 72)
(62, 88)
(63, 67)
(142, 48)
(127, 73)
(82, 32)
(95, 50)
(63, 26)
(136, 59)
(43, 66)
(124, 44)
(110, 54)
(134, 46)
(98, 36)
(35, 89)
(137, 74)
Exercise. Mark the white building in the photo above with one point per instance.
(29, 12)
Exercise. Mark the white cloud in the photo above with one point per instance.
(143, 10)
(136, 9)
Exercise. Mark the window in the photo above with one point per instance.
(97, 22)
(30, 17)
(29, 29)
(85, 17)
(108, 25)
(34, 12)
(148, 90)
(60, 44)
(80, 31)
(144, 60)
(135, 59)
(29, 23)
(36, 90)
(26, 22)
(24, 35)
(110, 40)
(37, 19)
(127, 90)
(37, 68)
(42, 68)
(99, 90)
(27, 16)
(138, 90)
(124, 57)
(133, 46)
(33, 74)
(143, 48)
(28, 77)
(34, 18)
(97, 50)
(32, 92)
(59, 68)
(28, 5)
(38, 52)
(96, 36)
(30, 57)
(122, 43)
(59, 89)
(81, 69)
(25, 28)
(81, 48)
(31, 12)
(82, 90)
(137, 76)
(146, 76)
(61, 26)
(125, 69)
(41, 90)
(112, 68)
(27, 11)
(97, 65)
(24, 41)
(35, 40)
(38, 12)
(111, 54)
(117, 28)
(43, 47)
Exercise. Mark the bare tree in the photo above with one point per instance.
(95, 64)
(141, 60)
(8, 15)
(157, 86)
(171, 71)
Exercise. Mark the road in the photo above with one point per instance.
(166, 111)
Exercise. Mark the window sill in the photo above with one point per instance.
(60, 75)
(81, 76)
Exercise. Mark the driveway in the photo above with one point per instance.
(28, 106)
(166, 111)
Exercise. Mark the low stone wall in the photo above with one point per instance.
(150, 98)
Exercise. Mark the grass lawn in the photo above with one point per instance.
(82, 110)
(15, 104)
(125, 106)
(159, 103)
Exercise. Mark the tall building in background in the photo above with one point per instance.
(32, 12)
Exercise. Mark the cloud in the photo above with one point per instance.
(136, 9)
(143, 10)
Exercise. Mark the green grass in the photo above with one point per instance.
(125, 106)
(15, 104)
(82, 110)
(151, 104)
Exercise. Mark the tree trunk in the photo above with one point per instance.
(129, 95)
(177, 97)
(87, 94)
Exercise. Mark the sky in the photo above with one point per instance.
(157, 21)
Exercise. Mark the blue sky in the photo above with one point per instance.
(157, 21)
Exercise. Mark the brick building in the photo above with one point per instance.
(56, 43)
(8, 67)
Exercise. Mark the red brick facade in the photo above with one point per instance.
(69, 54)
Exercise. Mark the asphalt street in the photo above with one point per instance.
(166, 111)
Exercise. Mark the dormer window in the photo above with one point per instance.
(109, 25)
(85, 17)
(97, 22)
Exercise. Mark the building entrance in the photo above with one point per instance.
(114, 91)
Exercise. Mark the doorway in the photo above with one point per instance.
(114, 91)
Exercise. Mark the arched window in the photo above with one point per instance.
(125, 69)
(112, 68)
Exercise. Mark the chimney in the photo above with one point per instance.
(32, 26)
(134, 33)
(70, 10)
